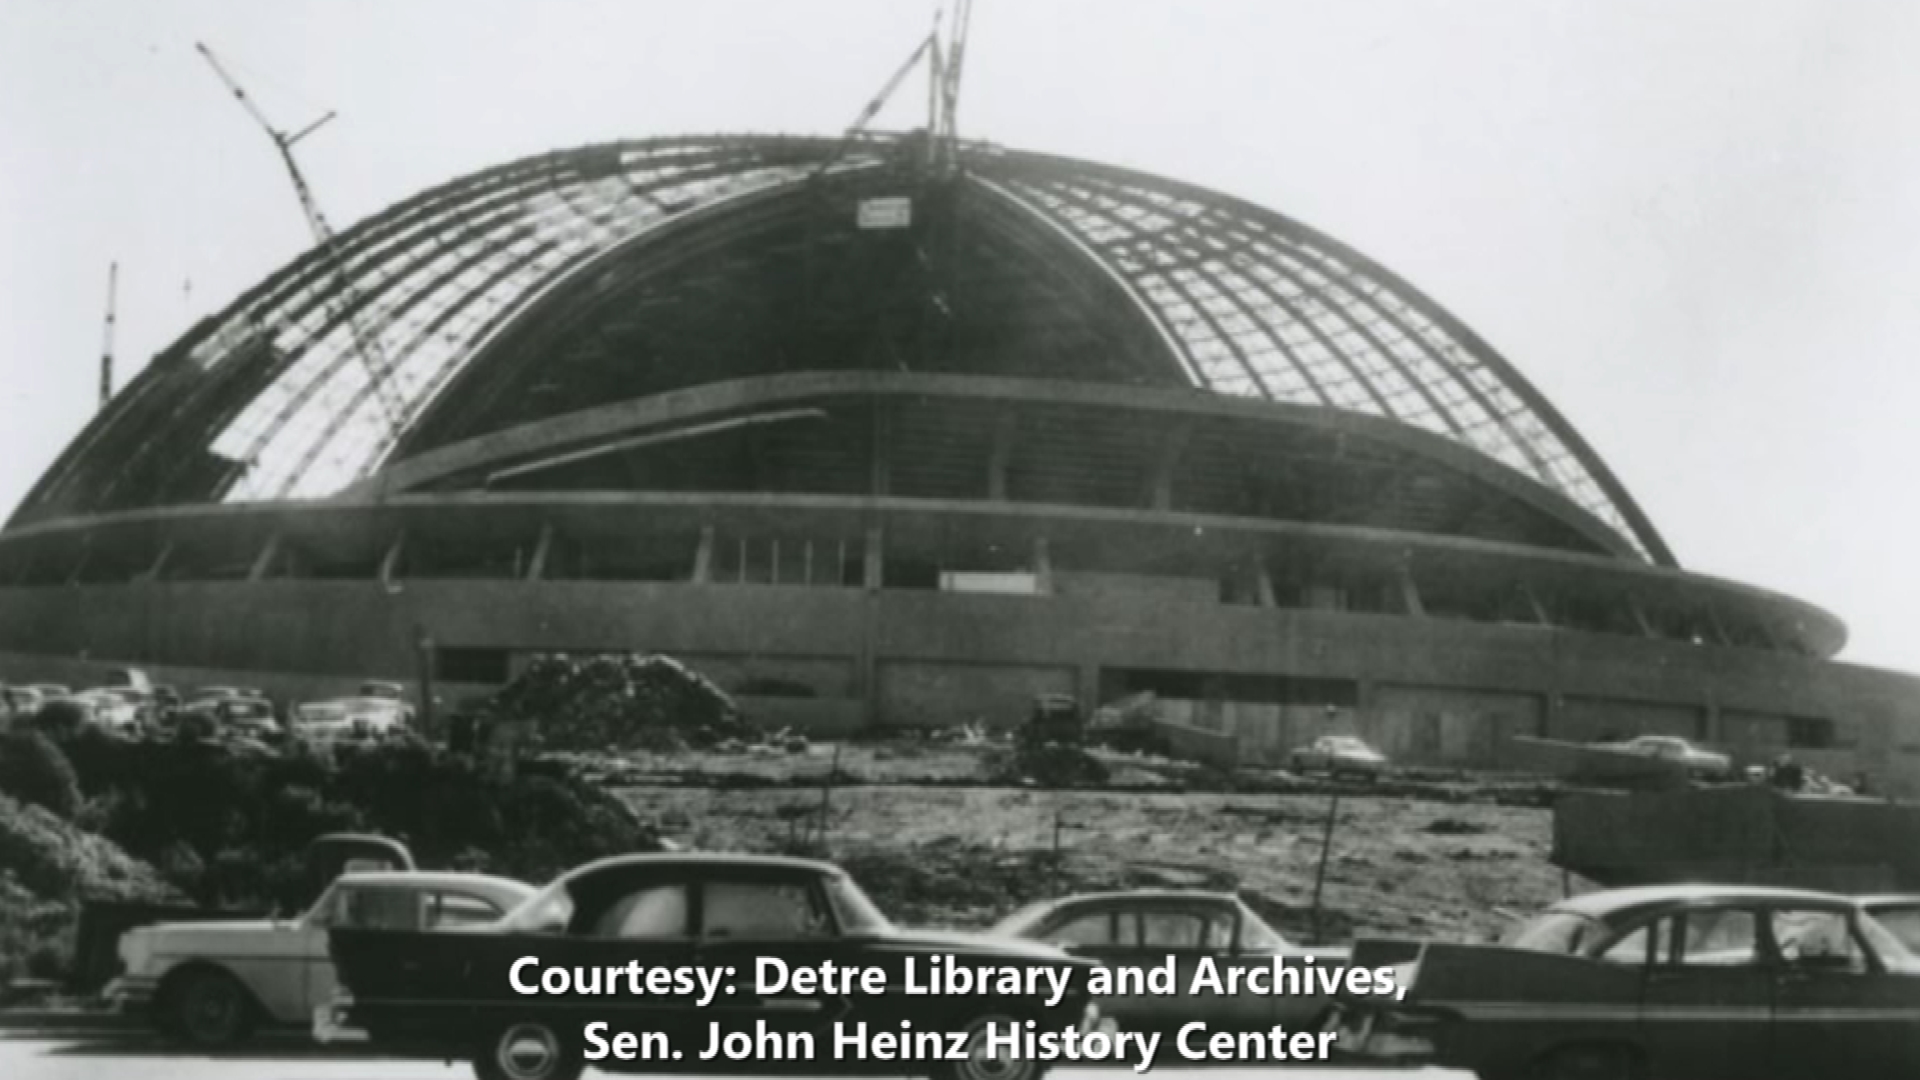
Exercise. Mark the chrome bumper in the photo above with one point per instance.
(131, 993)
(330, 1025)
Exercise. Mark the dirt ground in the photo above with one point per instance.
(1441, 861)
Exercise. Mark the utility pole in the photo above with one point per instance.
(106, 348)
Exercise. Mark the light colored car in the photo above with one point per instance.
(212, 983)
(350, 719)
(1679, 751)
(391, 691)
(108, 710)
(1339, 755)
(1148, 928)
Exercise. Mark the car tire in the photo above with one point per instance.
(208, 1009)
(527, 1051)
(1589, 1061)
(980, 1066)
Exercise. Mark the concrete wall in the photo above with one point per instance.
(919, 656)
(927, 693)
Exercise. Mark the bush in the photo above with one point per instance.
(35, 771)
(232, 828)
(1047, 765)
(61, 719)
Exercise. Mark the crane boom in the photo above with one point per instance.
(347, 303)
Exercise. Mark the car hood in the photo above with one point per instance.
(191, 935)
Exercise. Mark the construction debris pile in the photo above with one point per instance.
(615, 703)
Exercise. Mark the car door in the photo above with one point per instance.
(1706, 999)
(745, 916)
(1838, 1009)
(378, 907)
(637, 915)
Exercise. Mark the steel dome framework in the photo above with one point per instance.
(267, 400)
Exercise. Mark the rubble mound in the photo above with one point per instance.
(616, 703)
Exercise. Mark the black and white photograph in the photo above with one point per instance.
(964, 539)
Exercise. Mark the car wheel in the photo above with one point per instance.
(1590, 1061)
(529, 1051)
(984, 1064)
(209, 1009)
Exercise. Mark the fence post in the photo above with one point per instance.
(1320, 875)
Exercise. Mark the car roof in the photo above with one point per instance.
(432, 879)
(1611, 902)
(1890, 900)
(673, 859)
(1146, 895)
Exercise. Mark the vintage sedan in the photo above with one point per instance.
(1703, 764)
(1338, 755)
(212, 983)
(661, 916)
(1144, 928)
(1683, 982)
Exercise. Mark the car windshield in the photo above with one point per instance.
(1565, 932)
(1017, 924)
(1256, 935)
(1892, 949)
(855, 913)
(1904, 923)
(545, 912)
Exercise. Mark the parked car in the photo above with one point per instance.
(1698, 762)
(108, 711)
(1680, 982)
(48, 691)
(19, 702)
(1144, 927)
(1339, 755)
(450, 997)
(390, 691)
(349, 719)
(249, 716)
(128, 679)
(212, 983)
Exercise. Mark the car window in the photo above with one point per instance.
(1091, 929)
(380, 909)
(1632, 946)
(1817, 940)
(1185, 930)
(446, 909)
(737, 909)
(1716, 937)
(649, 913)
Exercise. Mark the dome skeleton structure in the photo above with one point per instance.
(1244, 302)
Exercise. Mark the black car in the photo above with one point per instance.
(662, 956)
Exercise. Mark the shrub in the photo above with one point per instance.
(232, 828)
(35, 771)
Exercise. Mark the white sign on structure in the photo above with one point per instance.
(889, 212)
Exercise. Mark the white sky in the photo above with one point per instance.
(1694, 225)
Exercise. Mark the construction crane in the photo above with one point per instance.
(106, 348)
(346, 302)
(947, 69)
